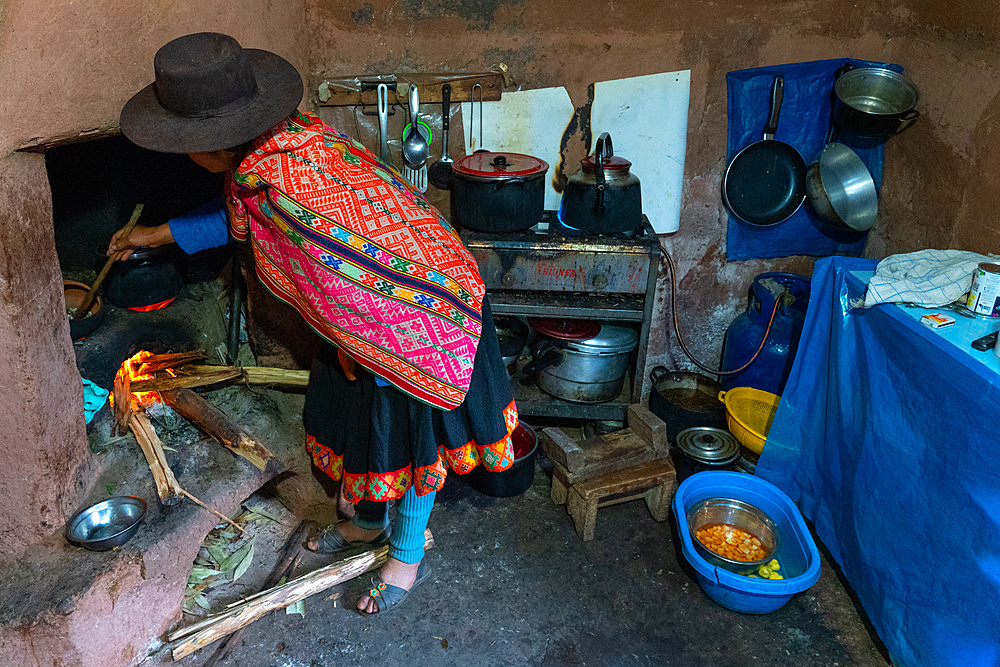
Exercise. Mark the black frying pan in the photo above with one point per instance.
(766, 181)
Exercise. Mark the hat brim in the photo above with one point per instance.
(279, 90)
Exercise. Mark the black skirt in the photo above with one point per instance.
(382, 441)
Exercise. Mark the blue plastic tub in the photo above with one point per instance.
(800, 561)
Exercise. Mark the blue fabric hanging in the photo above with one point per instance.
(886, 437)
(804, 122)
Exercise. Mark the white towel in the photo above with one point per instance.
(927, 277)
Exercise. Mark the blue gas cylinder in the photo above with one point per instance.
(769, 371)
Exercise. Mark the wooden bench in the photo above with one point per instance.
(607, 470)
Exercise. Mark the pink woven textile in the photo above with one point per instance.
(363, 257)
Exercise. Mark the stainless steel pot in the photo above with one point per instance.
(585, 371)
(603, 196)
(873, 104)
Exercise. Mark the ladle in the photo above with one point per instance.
(415, 148)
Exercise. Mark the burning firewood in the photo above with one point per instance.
(167, 487)
(215, 423)
(190, 376)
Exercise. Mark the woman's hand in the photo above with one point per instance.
(141, 237)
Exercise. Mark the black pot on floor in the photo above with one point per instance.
(516, 479)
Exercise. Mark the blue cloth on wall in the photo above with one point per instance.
(886, 437)
(803, 124)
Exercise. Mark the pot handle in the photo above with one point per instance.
(544, 356)
(603, 151)
(906, 119)
(657, 374)
(722, 397)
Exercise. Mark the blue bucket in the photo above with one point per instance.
(800, 560)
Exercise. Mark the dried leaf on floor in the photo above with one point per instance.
(232, 561)
(245, 563)
(257, 509)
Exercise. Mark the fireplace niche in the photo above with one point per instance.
(73, 606)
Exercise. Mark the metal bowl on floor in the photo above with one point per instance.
(739, 514)
(107, 524)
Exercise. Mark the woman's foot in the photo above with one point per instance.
(344, 535)
(399, 578)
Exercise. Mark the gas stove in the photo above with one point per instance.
(555, 271)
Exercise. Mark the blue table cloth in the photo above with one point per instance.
(803, 124)
(888, 438)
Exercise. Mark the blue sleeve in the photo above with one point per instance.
(205, 227)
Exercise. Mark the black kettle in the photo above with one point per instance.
(603, 197)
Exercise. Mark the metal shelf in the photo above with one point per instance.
(532, 401)
(620, 307)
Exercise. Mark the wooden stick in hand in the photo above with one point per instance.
(89, 299)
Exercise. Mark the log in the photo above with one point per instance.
(122, 403)
(215, 423)
(168, 383)
(286, 563)
(216, 627)
(167, 488)
(159, 362)
(191, 376)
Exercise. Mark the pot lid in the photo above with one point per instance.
(708, 444)
(610, 340)
(500, 166)
(613, 163)
(565, 329)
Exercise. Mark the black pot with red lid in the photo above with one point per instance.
(498, 192)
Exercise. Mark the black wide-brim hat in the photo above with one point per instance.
(210, 94)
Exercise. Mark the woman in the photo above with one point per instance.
(412, 383)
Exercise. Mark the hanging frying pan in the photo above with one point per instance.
(766, 182)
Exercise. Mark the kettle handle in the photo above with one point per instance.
(602, 151)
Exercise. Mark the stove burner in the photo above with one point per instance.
(153, 306)
(559, 227)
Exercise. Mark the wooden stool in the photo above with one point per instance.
(597, 472)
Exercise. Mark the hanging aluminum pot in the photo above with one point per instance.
(873, 104)
(603, 196)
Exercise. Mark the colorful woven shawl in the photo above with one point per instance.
(369, 264)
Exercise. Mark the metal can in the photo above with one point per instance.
(984, 295)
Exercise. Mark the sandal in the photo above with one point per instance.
(330, 541)
(388, 597)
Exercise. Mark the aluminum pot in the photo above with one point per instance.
(590, 370)
(705, 448)
(603, 196)
(873, 104)
(512, 334)
(684, 399)
(498, 192)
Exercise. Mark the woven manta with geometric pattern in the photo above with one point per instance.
(369, 264)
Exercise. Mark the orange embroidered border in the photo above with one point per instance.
(497, 456)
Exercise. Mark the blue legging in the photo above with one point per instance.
(407, 541)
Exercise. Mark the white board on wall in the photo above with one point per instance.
(530, 122)
(647, 119)
(645, 115)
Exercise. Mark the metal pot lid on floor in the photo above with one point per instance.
(708, 444)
